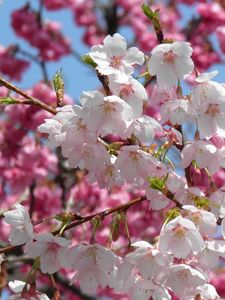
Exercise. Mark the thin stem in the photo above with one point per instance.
(31, 99)
(102, 215)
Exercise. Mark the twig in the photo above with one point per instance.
(36, 60)
(31, 99)
(102, 215)
(32, 199)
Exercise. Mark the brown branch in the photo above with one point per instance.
(31, 99)
(32, 199)
(102, 215)
(104, 81)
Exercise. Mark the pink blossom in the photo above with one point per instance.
(113, 57)
(10, 65)
(205, 154)
(50, 249)
(94, 264)
(106, 115)
(21, 227)
(135, 165)
(166, 60)
(182, 279)
(181, 238)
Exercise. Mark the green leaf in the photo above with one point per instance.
(154, 18)
(202, 202)
(8, 100)
(115, 226)
(59, 86)
(172, 214)
(64, 217)
(156, 183)
(88, 60)
(96, 223)
(114, 147)
(152, 15)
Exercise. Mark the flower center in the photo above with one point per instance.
(179, 231)
(196, 218)
(91, 253)
(126, 90)
(116, 62)
(213, 110)
(183, 275)
(81, 125)
(109, 107)
(169, 57)
(134, 156)
(109, 172)
(53, 248)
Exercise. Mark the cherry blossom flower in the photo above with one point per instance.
(86, 156)
(149, 261)
(206, 291)
(159, 96)
(189, 195)
(17, 286)
(175, 182)
(146, 289)
(53, 127)
(177, 111)
(171, 62)
(131, 91)
(204, 153)
(21, 227)
(94, 266)
(209, 103)
(204, 221)
(183, 278)
(50, 249)
(157, 199)
(135, 165)
(106, 115)
(145, 129)
(209, 257)
(181, 238)
(76, 134)
(106, 174)
(113, 57)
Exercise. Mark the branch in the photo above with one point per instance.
(102, 215)
(31, 100)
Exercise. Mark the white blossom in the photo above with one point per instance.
(183, 278)
(170, 62)
(131, 91)
(181, 238)
(94, 266)
(17, 287)
(21, 227)
(113, 57)
(49, 248)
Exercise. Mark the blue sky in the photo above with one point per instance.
(77, 76)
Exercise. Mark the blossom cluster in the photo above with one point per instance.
(45, 36)
(110, 137)
(136, 171)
